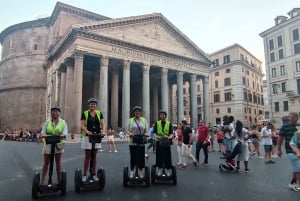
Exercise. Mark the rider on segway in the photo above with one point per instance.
(137, 131)
(164, 135)
(53, 126)
(91, 122)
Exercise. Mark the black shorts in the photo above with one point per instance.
(220, 141)
(268, 148)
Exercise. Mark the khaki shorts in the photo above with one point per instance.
(85, 144)
(59, 148)
(111, 138)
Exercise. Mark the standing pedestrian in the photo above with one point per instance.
(187, 145)
(286, 133)
(202, 141)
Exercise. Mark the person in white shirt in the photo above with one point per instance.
(266, 134)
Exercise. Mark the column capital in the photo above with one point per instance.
(164, 70)
(69, 61)
(104, 61)
(127, 63)
(78, 55)
(180, 74)
(146, 68)
(193, 77)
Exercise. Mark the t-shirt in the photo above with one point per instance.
(287, 132)
(185, 133)
(266, 136)
(93, 123)
(203, 132)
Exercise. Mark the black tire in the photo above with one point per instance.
(35, 185)
(147, 176)
(63, 183)
(153, 174)
(174, 175)
(78, 180)
(101, 176)
(220, 167)
(125, 176)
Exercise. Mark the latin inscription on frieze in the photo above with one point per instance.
(151, 59)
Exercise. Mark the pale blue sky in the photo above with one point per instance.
(210, 24)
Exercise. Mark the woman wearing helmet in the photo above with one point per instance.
(137, 126)
(53, 126)
(91, 122)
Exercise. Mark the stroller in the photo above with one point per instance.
(229, 163)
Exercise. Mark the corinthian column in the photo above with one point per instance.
(206, 99)
(114, 98)
(62, 89)
(146, 92)
(164, 89)
(180, 114)
(78, 77)
(68, 107)
(193, 101)
(126, 94)
(103, 91)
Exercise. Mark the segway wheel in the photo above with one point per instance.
(147, 176)
(63, 183)
(101, 176)
(78, 180)
(35, 185)
(174, 175)
(153, 174)
(125, 176)
(220, 167)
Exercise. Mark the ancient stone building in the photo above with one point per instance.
(75, 54)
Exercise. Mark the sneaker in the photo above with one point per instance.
(270, 161)
(131, 173)
(183, 167)
(95, 178)
(247, 170)
(109, 150)
(168, 172)
(116, 151)
(141, 173)
(84, 178)
(159, 171)
(179, 163)
(237, 169)
(205, 164)
(294, 187)
(101, 150)
(195, 163)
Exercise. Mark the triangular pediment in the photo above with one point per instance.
(153, 31)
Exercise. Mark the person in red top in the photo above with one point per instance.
(202, 141)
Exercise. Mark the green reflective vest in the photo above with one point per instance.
(57, 130)
(163, 132)
(86, 115)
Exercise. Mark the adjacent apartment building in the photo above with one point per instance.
(282, 59)
(235, 88)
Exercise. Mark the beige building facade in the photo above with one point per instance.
(76, 54)
(236, 86)
(282, 59)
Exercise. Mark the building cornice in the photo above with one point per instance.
(279, 26)
(24, 25)
(154, 17)
(74, 10)
(71, 36)
(48, 21)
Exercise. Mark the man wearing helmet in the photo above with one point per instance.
(164, 134)
(91, 122)
(53, 126)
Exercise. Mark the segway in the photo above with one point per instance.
(167, 175)
(50, 187)
(139, 163)
(90, 184)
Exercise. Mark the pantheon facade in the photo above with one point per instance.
(75, 54)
